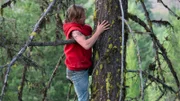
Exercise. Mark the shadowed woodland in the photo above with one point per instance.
(136, 60)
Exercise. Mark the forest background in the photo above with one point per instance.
(17, 22)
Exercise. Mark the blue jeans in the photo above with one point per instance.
(80, 80)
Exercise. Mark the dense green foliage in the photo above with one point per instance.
(168, 36)
(17, 23)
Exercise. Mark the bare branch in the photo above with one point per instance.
(160, 96)
(55, 43)
(123, 51)
(178, 17)
(25, 46)
(52, 76)
(161, 22)
(29, 61)
(69, 92)
(20, 90)
(3, 66)
(140, 32)
(159, 64)
(156, 41)
(7, 3)
(139, 21)
(59, 25)
(160, 46)
(152, 78)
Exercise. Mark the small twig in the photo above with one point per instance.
(27, 60)
(161, 22)
(20, 90)
(178, 17)
(52, 76)
(59, 25)
(159, 65)
(139, 32)
(152, 78)
(75, 97)
(3, 66)
(160, 96)
(139, 21)
(69, 93)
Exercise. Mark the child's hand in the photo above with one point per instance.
(101, 27)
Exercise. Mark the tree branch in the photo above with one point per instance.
(178, 17)
(162, 49)
(20, 90)
(161, 96)
(152, 78)
(139, 61)
(69, 92)
(123, 51)
(52, 76)
(55, 43)
(3, 66)
(25, 46)
(161, 22)
(7, 3)
(23, 59)
(139, 21)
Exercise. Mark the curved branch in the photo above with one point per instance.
(161, 22)
(139, 21)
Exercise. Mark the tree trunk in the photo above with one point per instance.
(106, 77)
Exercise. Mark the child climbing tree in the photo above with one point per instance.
(27, 71)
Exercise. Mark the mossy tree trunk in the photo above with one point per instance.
(106, 78)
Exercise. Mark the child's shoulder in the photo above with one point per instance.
(88, 27)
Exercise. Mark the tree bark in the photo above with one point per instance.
(106, 77)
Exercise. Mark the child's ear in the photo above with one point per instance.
(74, 20)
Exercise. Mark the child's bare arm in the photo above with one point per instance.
(88, 43)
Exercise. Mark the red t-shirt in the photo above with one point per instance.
(77, 58)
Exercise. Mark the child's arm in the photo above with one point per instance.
(88, 43)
